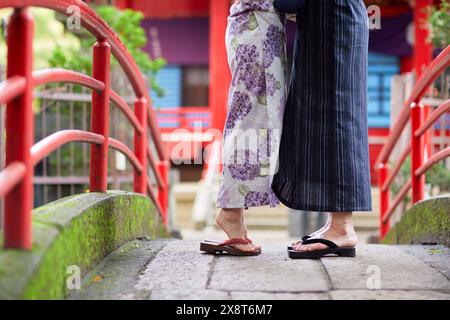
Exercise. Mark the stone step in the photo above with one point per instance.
(176, 270)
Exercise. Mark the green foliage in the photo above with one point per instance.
(438, 176)
(127, 25)
(439, 20)
(71, 60)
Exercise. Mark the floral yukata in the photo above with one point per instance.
(256, 50)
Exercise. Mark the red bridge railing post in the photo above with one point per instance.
(19, 131)
(140, 146)
(383, 173)
(163, 191)
(100, 117)
(417, 148)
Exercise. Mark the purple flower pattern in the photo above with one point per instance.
(239, 109)
(257, 198)
(249, 71)
(240, 23)
(255, 46)
(244, 172)
(273, 45)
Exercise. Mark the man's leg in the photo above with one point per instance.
(340, 231)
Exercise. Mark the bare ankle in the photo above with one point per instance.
(230, 215)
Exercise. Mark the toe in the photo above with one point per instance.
(315, 247)
(246, 248)
(257, 247)
(299, 247)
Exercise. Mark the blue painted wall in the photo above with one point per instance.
(381, 69)
(169, 78)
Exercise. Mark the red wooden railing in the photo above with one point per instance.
(16, 180)
(412, 111)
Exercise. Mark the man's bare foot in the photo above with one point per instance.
(231, 221)
(340, 231)
(317, 233)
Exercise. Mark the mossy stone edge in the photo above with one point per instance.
(75, 231)
(427, 222)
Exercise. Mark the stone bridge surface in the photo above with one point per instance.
(175, 269)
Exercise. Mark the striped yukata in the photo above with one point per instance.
(324, 154)
(256, 49)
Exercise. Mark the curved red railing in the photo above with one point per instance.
(413, 112)
(16, 92)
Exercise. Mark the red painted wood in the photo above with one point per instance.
(140, 146)
(431, 119)
(435, 158)
(168, 8)
(163, 192)
(219, 72)
(397, 200)
(11, 88)
(423, 54)
(384, 132)
(417, 150)
(406, 64)
(396, 169)
(422, 47)
(154, 165)
(100, 118)
(127, 152)
(56, 140)
(46, 76)
(414, 112)
(122, 105)
(16, 179)
(20, 131)
(151, 194)
(11, 176)
(383, 173)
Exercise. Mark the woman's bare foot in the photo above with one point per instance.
(340, 231)
(317, 233)
(231, 221)
(257, 247)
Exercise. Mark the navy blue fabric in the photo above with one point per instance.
(288, 6)
(324, 152)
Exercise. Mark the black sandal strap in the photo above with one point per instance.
(305, 238)
(326, 242)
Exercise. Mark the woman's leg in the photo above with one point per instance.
(232, 222)
(340, 231)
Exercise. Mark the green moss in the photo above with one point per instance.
(78, 230)
(427, 222)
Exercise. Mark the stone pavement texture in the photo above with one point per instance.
(174, 269)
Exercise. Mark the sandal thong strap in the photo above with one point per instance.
(326, 242)
(233, 241)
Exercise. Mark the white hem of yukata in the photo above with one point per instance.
(240, 206)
